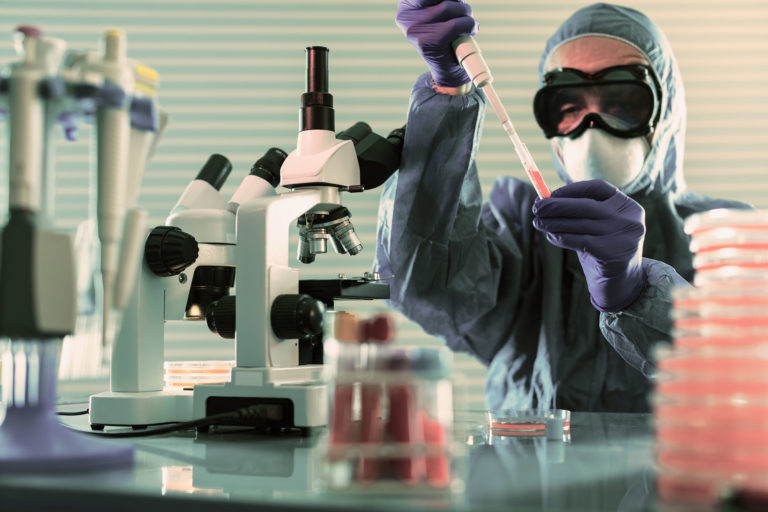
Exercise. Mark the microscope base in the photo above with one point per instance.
(139, 409)
(281, 400)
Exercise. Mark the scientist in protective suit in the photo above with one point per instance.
(564, 298)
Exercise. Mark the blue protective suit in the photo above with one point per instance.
(480, 277)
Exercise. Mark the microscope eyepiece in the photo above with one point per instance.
(317, 69)
(356, 133)
(317, 102)
(268, 166)
(396, 137)
(215, 171)
(377, 156)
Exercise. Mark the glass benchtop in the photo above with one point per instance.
(605, 465)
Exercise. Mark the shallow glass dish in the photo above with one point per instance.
(552, 423)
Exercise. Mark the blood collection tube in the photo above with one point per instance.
(378, 330)
(405, 424)
(343, 430)
(430, 370)
(437, 464)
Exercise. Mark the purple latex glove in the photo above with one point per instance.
(431, 26)
(606, 228)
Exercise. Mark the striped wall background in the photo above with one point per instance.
(231, 73)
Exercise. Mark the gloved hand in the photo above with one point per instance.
(431, 26)
(606, 229)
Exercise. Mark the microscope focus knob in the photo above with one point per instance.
(169, 250)
(220, 317)
(295, 316)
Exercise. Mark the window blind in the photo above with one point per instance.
(231, 73)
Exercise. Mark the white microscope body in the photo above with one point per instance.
(197, 244)
(268, 374)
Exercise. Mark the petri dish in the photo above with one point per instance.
(726, 217)
(740, 323)
(733, 361)
(709, 411)
(552, 423)
(726, 458)
(185, 374)
(735, 333)
(686, 340)
(754, 257)
(732, 276)
(681, 487)
(727, 237)
(721, 294)
(743, 435)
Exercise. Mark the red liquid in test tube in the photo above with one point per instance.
(405, 426)
(379, 330)
(343, 430)
(371, 430)
(537, 181)
(438, 466)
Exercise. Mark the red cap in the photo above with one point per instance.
(379, 329)
(347, 327)
(29, 30)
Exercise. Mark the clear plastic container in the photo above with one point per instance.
(185, 374)
(391, 413)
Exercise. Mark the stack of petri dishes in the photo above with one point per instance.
(186, 374)
(711, 395)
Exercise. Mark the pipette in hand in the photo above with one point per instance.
(470, 58)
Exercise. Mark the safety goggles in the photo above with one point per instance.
(622, 100)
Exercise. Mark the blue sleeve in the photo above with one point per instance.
(635, 332)
(455, 262)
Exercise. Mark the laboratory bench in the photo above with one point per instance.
(605, 464)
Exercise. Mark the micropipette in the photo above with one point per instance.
(113, 139)
(470, 58)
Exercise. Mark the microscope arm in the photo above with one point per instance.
(263, 227)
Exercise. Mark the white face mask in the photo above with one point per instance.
(596, 154)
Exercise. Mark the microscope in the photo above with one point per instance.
(210, 246)
(272, 318)
(186, 264)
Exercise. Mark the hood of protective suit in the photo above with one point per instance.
(662, 171)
